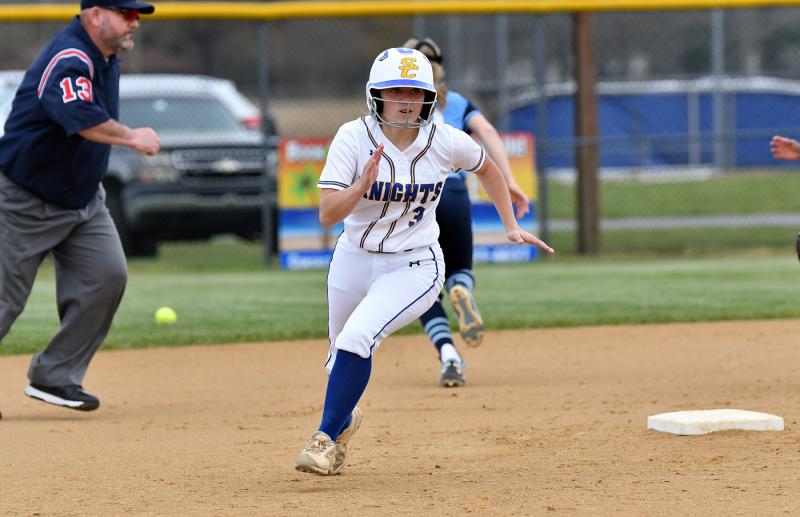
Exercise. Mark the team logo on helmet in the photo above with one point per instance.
(407, 67)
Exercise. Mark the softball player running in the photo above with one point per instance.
(784, 148)
(454, 216)
(384, 176)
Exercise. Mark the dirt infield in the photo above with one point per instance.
(551, 422)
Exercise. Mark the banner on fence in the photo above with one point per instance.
(305, 243)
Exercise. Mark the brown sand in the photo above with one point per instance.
(551, 422)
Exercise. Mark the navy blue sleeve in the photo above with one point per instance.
(66, 92)
(459, 110)
(469, 111)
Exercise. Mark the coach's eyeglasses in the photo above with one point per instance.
(130, 15)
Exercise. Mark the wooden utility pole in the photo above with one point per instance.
(586, 160)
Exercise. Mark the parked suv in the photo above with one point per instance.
(208, 177)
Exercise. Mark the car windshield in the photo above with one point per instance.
(177, 114)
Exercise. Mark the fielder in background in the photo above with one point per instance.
(52, 158)
(784, 148)
(383, 177)
(454, 216)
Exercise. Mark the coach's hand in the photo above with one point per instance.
(520, 236)
(145, 140)
(784, 148)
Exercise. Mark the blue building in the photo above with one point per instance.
(672, 124)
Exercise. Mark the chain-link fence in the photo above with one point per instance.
(687, 104)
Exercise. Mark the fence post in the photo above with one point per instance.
(541, 137)
(502, 56)
(586, 135)
(718, 94)
(269, 175)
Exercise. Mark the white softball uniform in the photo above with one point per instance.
(387, 267)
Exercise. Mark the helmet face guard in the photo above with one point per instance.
(376, 103)
(401, 68)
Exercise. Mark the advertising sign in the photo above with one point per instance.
(305, 243)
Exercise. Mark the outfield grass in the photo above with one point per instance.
(244, 303)
(223, 293)
(685, 241)
(739, 193)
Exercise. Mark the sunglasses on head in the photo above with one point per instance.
(129, 14)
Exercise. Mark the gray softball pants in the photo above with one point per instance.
(90, 276)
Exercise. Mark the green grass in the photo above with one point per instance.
(223, 293)
(746, 193)
(684, 241)
(239, 304)
(221, 254)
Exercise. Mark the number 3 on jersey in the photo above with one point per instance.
(68, 91)
(419, 211)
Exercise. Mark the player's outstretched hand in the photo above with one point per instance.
(784, 148)
(145, 140)
(520, 236)
(519, 200)
(371, 169)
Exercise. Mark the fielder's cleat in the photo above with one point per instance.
(318, 455)
(341, 442)
(72, 397)
(452, 375)
(470, 323)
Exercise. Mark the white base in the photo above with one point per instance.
(710, 420)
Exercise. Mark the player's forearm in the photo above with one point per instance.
(335, 205)
(496, 149)
(495, 185)
(109, 132)
(493, 144)
(143, 139)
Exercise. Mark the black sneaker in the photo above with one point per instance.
(452, 375)
(67, 396)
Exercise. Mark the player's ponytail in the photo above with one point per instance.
(438, 82)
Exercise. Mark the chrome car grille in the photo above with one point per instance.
(219, 162)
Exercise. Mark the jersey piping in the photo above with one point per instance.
(389, 201)
(480, 162)
(333, 183)
(413, 181)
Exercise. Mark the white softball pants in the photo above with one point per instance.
(371, 295)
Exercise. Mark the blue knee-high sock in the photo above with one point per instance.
(346, 384)
(437, 326)
(463, 277)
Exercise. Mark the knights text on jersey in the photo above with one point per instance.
(399, 212)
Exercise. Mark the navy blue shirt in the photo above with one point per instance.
(68, 88)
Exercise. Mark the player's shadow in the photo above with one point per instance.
(9, 419)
